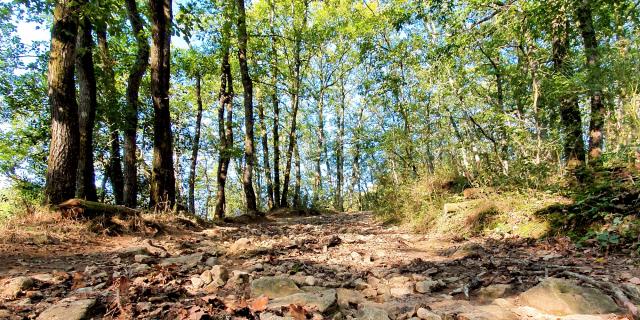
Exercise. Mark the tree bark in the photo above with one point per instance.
(225, 130)
(87, 105)
(62, 164)
(276, 110)
(321, 147)
(340, 150)
(196, 146)
(131, 114)
(163, 184)
(573, 145)
(295, 99)
(297, 188)
(247, 84)
(265, 156)
(598, 111)
(112, 110)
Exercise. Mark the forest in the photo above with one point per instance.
(282, 138)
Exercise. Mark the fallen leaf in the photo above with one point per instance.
(297, 312)
(259, 304)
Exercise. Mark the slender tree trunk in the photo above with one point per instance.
(112, 110)
(568, 103)
(340, 150)
(225, 130)
(297, 187)
(265, 156)
(247, 84)
(163, 184)
(131, 114)
(598, 110)
(196, 147)
(276, 110)
(321, 147)
(295, 99)
(87, 105)
(62, 164)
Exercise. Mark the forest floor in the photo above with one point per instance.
(331, 266)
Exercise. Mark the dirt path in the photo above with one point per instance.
(331, 266)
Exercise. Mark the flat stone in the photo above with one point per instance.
(372, 312)
(11, 288)
(272, 316)
(211, 261)
(564, 297)
(189, 260)
(428, 286)
(219, 275)
(142, 258)
(69, 309)
(240, 246)
(320, 301)
(238, 278)
(347, 297)
(492, 292)
(426, 314)
(274, 287)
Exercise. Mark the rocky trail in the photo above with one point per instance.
(334, 266)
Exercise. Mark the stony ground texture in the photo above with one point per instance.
(338, 266)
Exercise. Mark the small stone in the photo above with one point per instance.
(401, 291)
(428, 286)
(272, 316)
(11, 288)
(211, 261)
(370, 292)
(240, 246)
(634, 280)
(348, 297)
(564, 297)
(238, 278)
(273, 287)
(197, 282)
(206, 277)
(139, 268)
(360, 284)
(69, 309)
(189, 260)
(219, 275)
(320, 301)
(426, 314)
(370, 312)
(492, 292)
(356, 256)
(89, 270)
(310, 281)
(141, 258)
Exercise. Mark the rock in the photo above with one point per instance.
(11, 288)
(564, 297)
(428, 286)
(633, 292)
(360, 284)
(256, 267)
(272, 316)
(634, 280)
(219, 275)
(240, 246)
(371, 312)
(273, 287)
(370, 292)
(238, 278)
(356, 256)
(51, 278)
(197, 282)
(138, 268)
(189, 260)
(206, 277)
(494, 291)
(211, 261)
(142, 258)
(461, 309)
(468, 250)
(347, 297)
(310, 281)
(320, 301)
(5, 314)
(133, 251)
(426, 314)
(69, 309)
(401, 291)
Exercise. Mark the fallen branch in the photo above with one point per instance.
(617, 293)
(90, 209)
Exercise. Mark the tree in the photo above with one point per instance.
(247, 84)
(594, 72)
(131, 114)
(573, 146)
(225, 124)
(87, 105)
(163, 184)
(196, 144)
(112, 111)
(62, 164)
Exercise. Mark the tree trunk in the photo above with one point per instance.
(247, 84)
(568, 103)
(295, 99)
(112, 110)
(131, 114)
(196, 147)
(340, 150)
(265, 156)
(87, 105)
(225, 130)
(163, 184)
(276, 111)
(62, 165)
(598, 111)
(321, 147)
(297, 193)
